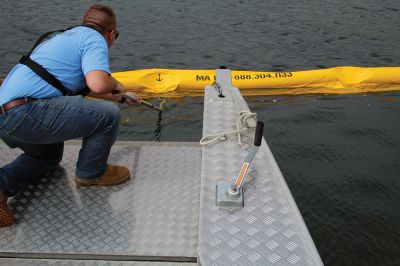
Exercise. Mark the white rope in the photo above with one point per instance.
(242, 125)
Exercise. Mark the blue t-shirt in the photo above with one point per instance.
(69, 56)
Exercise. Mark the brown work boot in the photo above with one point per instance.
(114, 175)
(6, 216)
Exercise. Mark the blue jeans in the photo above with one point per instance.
(39, 128)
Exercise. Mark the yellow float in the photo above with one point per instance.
(337, 80)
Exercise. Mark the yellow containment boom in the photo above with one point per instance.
(338, 80)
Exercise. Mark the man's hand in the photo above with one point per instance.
(120, 95)
(132, 98)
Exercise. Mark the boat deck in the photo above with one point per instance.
(153, 217)
(269, 229)
(167, 213)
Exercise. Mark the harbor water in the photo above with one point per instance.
(338, 154)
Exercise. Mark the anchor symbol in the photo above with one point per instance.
(159, 77)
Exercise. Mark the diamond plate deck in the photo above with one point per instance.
(140, 220)
(269, 230)
(32, 262)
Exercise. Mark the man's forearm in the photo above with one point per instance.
(101, 82)
(106, 96)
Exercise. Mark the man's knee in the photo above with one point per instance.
(113, 112)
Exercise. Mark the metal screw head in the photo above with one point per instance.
(233, 192)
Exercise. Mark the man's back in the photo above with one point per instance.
(68, 56)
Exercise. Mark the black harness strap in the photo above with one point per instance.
(43, 73)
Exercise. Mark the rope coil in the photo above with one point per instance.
(242, 125)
